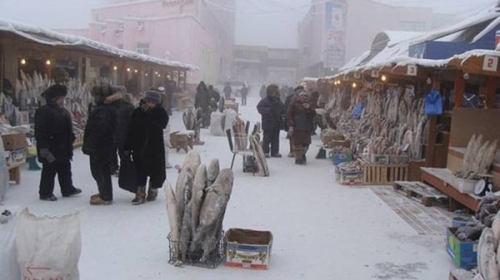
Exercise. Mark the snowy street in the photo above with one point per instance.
(321, 230)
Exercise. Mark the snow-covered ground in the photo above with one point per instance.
(321, 230)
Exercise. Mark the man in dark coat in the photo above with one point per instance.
(227, 91)
(122, 102)
(145, 141)
(214, 94)
(299, 119)
(54, 142)
(293, 94)
(272, 110)
(244, 94)
(98, 143)
(203, 100)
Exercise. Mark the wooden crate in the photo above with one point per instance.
(385, 174)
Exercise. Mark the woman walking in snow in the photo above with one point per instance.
(145, 143)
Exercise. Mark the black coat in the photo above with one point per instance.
(123, 116)
(98, 139)
(145, 140)
(272, 111)
(54, 131)
(202, 99)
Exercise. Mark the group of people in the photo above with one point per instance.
(296, 116)
(114, 126)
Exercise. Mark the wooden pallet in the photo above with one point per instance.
(385, 174)
(420, 192)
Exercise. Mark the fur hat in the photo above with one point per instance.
(55, 91)
(100, 92)
(302, 93)
(152, 96)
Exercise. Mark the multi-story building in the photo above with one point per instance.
(263, 65)
(195, 31)
(334, 32)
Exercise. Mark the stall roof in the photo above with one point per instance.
(53, 38)
(398, 51)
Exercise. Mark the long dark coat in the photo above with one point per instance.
(301, 120)
(145, 140)
(288, 101)
(98, 139)
(202, 98)
(54, 131)
(272, 110)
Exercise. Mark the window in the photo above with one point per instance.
(143, 48)
(412, 25)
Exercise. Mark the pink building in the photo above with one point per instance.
(335, 31)
(191, 31)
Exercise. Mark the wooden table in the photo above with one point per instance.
(442, 179)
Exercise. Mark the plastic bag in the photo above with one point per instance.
(48, 247)
(9, 268)
(127, 178)
(216, 128)
(433, 103)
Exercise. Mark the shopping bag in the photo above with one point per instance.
(127, 178)
(9, 268)
(48, 247)
(433, 103)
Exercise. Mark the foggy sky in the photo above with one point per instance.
(258, 22)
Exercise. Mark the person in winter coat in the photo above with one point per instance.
(145, 143)
(293, 94)
(122, 101)
(272, 110)
(299, 119)
(54, 142)
(313, 100)
(203, 100)
(244, 94)
(227, 91)
(98, 142)
(166, 131)
(214, 94)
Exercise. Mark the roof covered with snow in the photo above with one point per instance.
(397, 49)
(53, 38)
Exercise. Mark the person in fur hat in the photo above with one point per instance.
(145, 143)
(293, 94)
(122, 101)
(98, 142)
(299, 118)
(54, 142)
(271, 109)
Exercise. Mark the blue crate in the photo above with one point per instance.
(464, 254)
(340, 158)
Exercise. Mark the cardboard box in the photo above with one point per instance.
(248, 248)
(14, 141)
(15, 158)
(339, 143)
(351, 178)
(464, 254)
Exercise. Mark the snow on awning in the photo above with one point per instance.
(53, 38)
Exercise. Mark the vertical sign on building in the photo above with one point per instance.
(335, 28)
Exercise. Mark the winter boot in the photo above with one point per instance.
(140, 196)
(100, 202)
(152, 194)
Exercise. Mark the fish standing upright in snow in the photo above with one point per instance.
(212, 171)
(212, 214)
(186, 217)
(192, 160)
(199, 186)
(173, 217)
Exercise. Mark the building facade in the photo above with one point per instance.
(193, 31)
(334, 32)
(263, 65)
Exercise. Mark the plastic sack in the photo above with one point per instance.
(433, 103)
(358, 110)
(9, 268)
(231, 116)
(216, 128)
(127, 177)
(48, 247)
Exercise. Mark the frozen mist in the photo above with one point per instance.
(321, 230)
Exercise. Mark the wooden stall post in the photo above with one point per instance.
(459, 88)
(490, 90)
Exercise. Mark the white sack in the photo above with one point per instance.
(216, 128)
(9, 268)
(48, 247)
